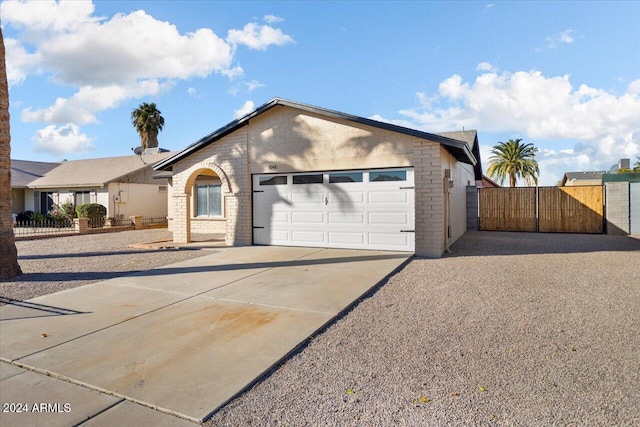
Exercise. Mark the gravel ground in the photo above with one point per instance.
(55, 264)
(510, 329)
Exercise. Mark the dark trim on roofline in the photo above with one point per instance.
(460, 150)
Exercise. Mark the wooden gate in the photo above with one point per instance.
(570, 209)
(508, 209)
(543, 209)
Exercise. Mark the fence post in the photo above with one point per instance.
(82, 225)
(137, 221)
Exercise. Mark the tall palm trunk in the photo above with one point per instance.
(8, 255)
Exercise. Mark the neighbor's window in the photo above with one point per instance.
(83, 197)
(273, 180)
(338, 177)
(387, 176)
(208, 200)
(308, 179)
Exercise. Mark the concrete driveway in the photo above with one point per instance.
(173, 344)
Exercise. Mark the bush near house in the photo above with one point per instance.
(94, 211)
(91, 210)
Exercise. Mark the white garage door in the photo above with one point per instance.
(370, 209)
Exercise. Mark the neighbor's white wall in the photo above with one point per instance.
(137, 199)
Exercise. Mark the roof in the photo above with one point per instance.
(582, 176)
(471, 138)
(95, 172)
(25, 171)
(458, 148)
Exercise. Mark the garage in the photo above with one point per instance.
(354, 209)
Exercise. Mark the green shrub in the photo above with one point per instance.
(38, 217)
(91, 211)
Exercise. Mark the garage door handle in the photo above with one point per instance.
(326, 201)
(407, 231)
(407, 188)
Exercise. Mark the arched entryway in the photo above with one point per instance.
(200, 203)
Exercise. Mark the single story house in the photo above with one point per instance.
(24, 172)
(570, 179)
(124, 185)
(295, 174)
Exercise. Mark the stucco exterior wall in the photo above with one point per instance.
(462, 175)
(135, 199)
(285, 139)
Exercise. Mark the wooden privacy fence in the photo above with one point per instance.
(543, 209)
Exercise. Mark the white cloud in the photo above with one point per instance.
(21, 62)
(247, 87)
(108, 60)
(63, 139)
(246, 108)
(486, 66)
(258, 37)
(272, 19)
(81, 108)
(193, 92)
(601, 126)
(553, 41)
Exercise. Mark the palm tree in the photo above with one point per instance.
(514, 160)
(8, 254)
(148, 121)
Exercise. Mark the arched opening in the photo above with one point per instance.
(200, 209)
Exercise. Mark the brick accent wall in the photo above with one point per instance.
(208, 225)
(428, 199)
(228, 159)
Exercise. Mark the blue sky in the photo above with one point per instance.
(562, 75)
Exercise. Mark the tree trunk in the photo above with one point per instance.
(9, 267)
(512, 180)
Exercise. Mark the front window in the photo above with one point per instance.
(208, 200)
(83, 197)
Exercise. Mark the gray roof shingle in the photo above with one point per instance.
(95, 172)
(25, 171)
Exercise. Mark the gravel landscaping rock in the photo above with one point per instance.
(54, 264)
(509, 329)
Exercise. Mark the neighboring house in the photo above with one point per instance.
(124, 185)
(581, 178)
(298, 175)
(22, 173)
(487, 182)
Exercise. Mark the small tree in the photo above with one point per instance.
(514, 160)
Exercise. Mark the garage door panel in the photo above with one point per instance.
(307, 198)
(347, 238)
(388, 197)
(399, 218)
(347, 198)
(307, 217)
(338, 218)
(299, 236)
(279, 217)
(393, 239)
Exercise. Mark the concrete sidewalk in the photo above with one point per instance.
(173, 344)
